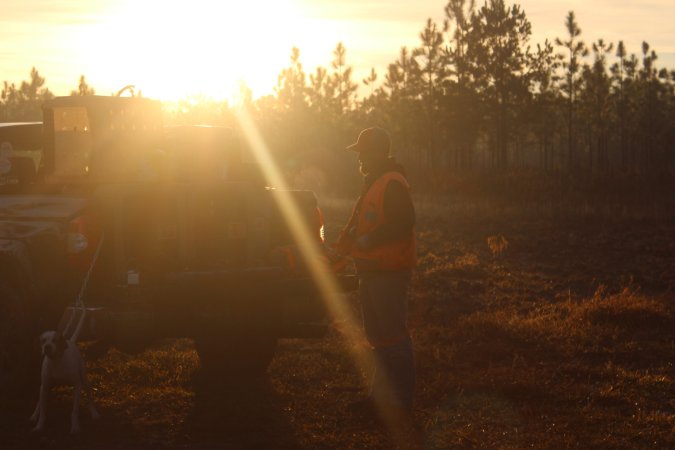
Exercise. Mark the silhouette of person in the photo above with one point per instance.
(380, 238)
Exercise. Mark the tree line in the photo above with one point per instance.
(474, 95)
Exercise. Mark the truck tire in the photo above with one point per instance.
(16, 332)
(235, 355)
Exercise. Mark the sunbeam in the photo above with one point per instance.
(311, 254)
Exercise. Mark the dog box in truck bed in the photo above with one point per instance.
(191, 235)
(197, 249)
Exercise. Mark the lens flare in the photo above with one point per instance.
(311, 253)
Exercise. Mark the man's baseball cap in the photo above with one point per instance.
(372, 139)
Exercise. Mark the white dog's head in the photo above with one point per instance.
(52, 344)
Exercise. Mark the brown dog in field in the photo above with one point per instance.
(62, 363)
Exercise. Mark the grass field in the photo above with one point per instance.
(530, 332)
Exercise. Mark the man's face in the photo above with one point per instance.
(369, 160)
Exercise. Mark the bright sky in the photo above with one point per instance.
(172, 48)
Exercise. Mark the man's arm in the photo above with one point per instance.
(399, 214)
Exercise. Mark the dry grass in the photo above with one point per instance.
(564, 338)
(551, 344)
(593, 373)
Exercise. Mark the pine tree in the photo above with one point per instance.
(544, 116)
(342, 78)
(432, 73)
(460, 100)
(596, 87)
(291, 86)
(570, 88)
(499, 59)
(618, 71)
(25, 102)
(83, 88)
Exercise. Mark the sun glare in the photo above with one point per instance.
(311, 254)
(173, 49)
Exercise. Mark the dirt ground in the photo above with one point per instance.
(529, 333)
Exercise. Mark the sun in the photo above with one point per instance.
(174, 49)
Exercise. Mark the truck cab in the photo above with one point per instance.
(188, 234)
(20, 154)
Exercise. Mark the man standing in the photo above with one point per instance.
(380, 238)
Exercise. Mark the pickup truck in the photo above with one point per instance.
(171, 230)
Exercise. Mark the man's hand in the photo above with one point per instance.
(345, 241)
(363, 242)
(332, 254)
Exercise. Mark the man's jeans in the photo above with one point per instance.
(384, 303)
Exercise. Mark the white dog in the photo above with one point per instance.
(62, 363)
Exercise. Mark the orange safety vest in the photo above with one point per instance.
(397, 255)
